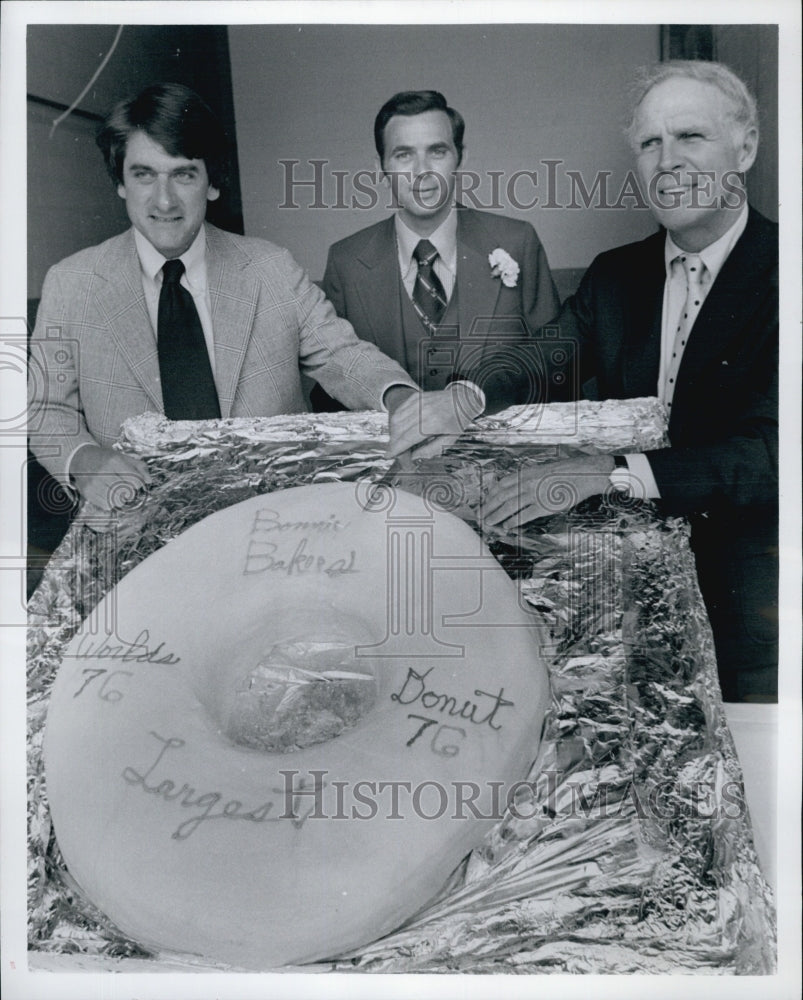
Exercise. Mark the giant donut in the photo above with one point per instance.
(277, 736)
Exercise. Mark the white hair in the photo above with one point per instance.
(744, 113)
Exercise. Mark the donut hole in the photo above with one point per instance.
(303, 692)
(286, 687)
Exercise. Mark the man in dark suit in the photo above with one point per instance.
(490, 277)
(689, 314)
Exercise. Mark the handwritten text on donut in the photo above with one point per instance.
(264, 553)
(204, 804)
(137, 650)
(415, 690)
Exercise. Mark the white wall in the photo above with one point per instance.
(529, 93)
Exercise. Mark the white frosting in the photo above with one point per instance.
(184, 830)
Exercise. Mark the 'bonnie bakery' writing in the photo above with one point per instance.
(264, 553)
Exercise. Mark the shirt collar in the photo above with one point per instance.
(444, 239)
(716, 253)
(194, 259)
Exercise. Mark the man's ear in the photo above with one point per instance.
(380, 170)
(385, 179)
(121, 190)
(748, 147)
(212, 194)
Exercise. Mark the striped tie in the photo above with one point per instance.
(429, 298)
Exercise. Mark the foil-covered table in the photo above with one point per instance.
(629, 848)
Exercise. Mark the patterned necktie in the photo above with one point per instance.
(188, 388)
(695, 270)
(429, 298)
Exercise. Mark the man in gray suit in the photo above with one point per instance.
(491, 279)
(178, 317)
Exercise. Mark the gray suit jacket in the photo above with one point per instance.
(362, 280)
(94, 359)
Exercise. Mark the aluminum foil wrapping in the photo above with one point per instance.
(629, 847)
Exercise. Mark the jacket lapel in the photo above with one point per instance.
(122, 301)
(643, 311)
(727, 305)
(233, 296)
(477, 289)
(379, 292)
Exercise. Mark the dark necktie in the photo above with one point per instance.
(429, 298)
(188, 388)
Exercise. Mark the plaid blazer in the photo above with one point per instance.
(94, 360)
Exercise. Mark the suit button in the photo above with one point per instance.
(433, 371)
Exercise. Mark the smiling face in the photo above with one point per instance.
(165, 196)
(420, 160)
(690, 152)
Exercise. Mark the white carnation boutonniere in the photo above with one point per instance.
(503, 266)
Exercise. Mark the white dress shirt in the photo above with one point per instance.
(643, 482)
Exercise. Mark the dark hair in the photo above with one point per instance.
(416, 102)
(175, 117)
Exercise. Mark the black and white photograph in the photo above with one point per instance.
(400, 454)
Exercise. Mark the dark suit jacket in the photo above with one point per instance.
(722, 465)
(724, 423)
(362, 281)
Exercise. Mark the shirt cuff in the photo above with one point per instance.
(472, 394)
(67, 482)
(396, 385)
(637, 479)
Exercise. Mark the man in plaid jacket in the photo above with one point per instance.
(94, 352)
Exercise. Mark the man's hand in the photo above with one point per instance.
(545, 489)
(435, 418)
(106, 478)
